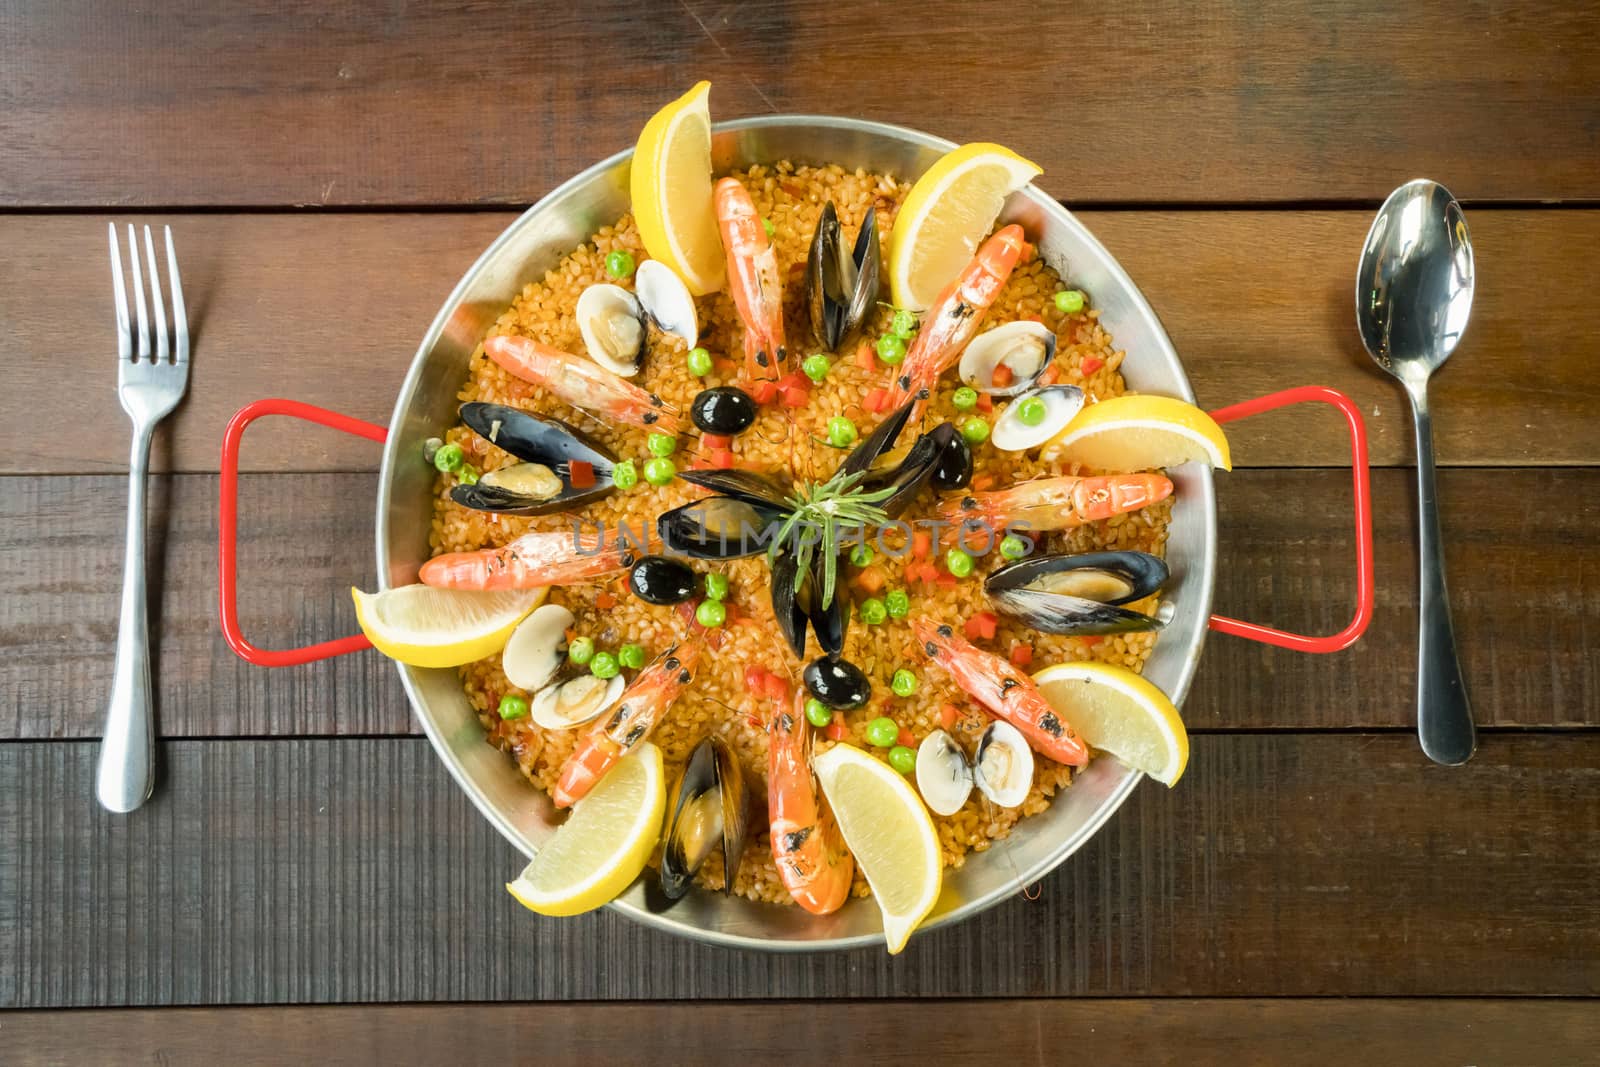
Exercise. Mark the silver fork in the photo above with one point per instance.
(149, 384)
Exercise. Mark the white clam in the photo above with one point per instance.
(1024, 347)
(536, 648)
(613, 328)
(944, 778)
(1061, 404)
(666, 300)
(575, 701)
(1003, 766)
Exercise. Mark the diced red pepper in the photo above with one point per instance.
(948, 713)
(985, 403)
(716, 440)
(930, 572)
(1021, 654)
(794, 397)
(1090, 364)
(1032, 318)
(605, 602)
(1050, 375)
(722, 459)
(972, 628)
(946, 580)
(1027, 253)
(921, 544)
(775, 686)
(763, 391)
(982, 482)
(988, 623)
(864, 355)
(1001, 375)
(906, 738)
(755, 679)
(871, 580)
(875, 400)
(581, 473)
(837, 730)
(1092, 640)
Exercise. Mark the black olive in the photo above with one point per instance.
(837, 683)
(659, 580)
(723, 410)
(953, 470)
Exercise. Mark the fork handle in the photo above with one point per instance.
(127, 754)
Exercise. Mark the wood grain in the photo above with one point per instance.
(270, 102)
(355, 870)
(329, 309)
(1195, 1033)
(1525, 588)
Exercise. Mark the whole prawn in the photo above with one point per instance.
(641, 709)
(753, 279)
(954, 318)
(813, 862)
(1006, 691)
(1056, 503)
(583, 384)
(531, 561)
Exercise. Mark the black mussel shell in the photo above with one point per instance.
(1099, 583)
(797, 602)
(912, 472)
(659, 580)
(786, 603)
(723, 409)
(953, 470)
(748, 486)
(549, 442)
(837, 683)
(710, 807)
(719, 527)
(877, 442)
(841, 289)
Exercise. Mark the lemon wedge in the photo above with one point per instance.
(948, 212)
(1140, 433)
(1119, 712)
(889, 832)
(429, 627)
(671, 188)
(603, 845)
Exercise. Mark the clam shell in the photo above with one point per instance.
(613, 326)
(666, 301)
(537, 648)
(1002, 768)
(1061, 404)
(1025, 346)
(580, 699)
(944, 777)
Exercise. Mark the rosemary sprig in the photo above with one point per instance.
(826, 506)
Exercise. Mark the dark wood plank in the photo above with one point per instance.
(1198, 1032)
(355, 870)
(468, 102)
(329, 309)
(1286, 557)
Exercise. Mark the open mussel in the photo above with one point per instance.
(750, 486)
(912, 471)
(841, 285)
(837, 683)
(1034, 417)
(1079, 595)
(881, 440)
(709, 808)
(1008, 359)
(797, 602)
(719, 527)
(560, 469)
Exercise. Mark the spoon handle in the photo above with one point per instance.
(1444, 717)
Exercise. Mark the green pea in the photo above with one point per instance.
(1031, 411)
(467, 475)
(904, 683)
(711, 614)
(898, 603)
(903, 759)
(975, 430)
(904, 324)
(625, 474)
(891, 349)
(883, 732)
(661, 444)
(766, 224)
(448, 457)
(716, 586)
(841, 431)
(604, 665)
(1013, 547)
(581, 651)
(965, 398)
(1069, 301)
(873, 612)
(862, 555)
(818, 713)
(958, 562)
(816, 366)
(661, 470)
(631, 656)
(699, 362)
(513, 706)
(619, 263)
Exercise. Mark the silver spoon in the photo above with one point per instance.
(1413, 295)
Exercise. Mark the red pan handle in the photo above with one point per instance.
(1363, 513)
(228, 530)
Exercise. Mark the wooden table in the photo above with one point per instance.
(331, 171)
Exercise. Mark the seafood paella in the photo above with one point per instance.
(821, 527)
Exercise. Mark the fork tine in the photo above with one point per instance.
(162, 351)
(180, 315)
(138, 294)
(124, 329)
